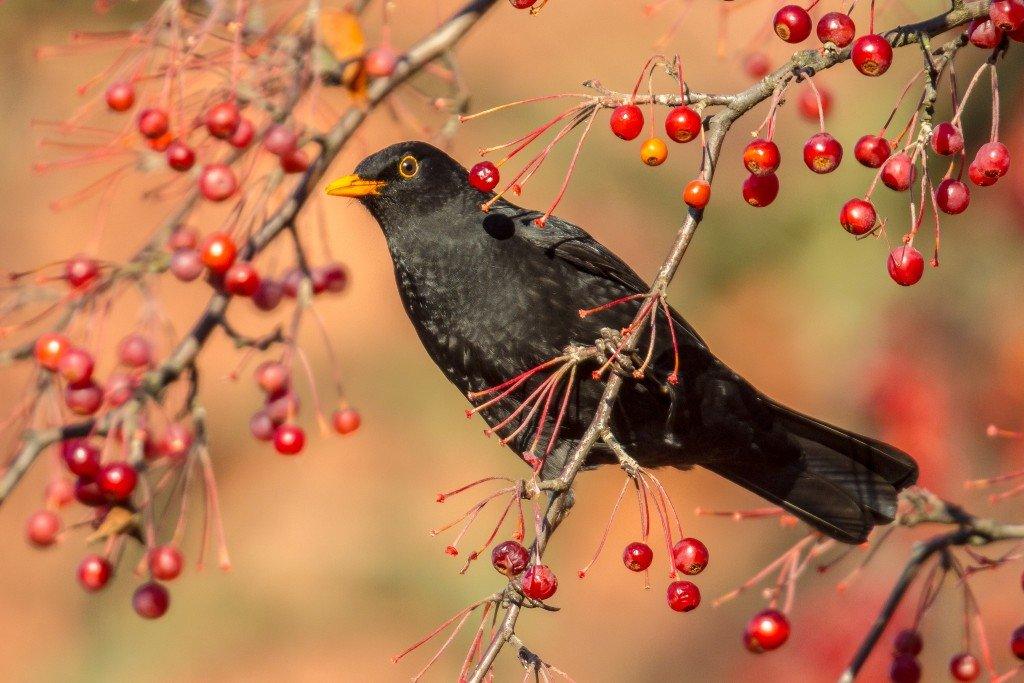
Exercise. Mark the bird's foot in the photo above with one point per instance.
(610, 346)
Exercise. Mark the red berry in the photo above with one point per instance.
(899, 172)
(49, 349)
(120, 96)
(823, 153)
(76, 365)
(683, 596)
(697, 193)
(380, 62)
(135, 351)
(965, 667)
(289, 439)
(217, 182)
(219, 252)
(539, 582)
(984, 34)
(243, 135)
(690, 556)
(182, 238)
(241, 279)
(978, 175)
(761, 190)
(295, 161)
(1007, 15)
(335, 277)
(637, 556)
(283, 407)
(682, 124)
(905, 264)
(272, 376)
(180, 156)
(908, 642)
(904, 669)
(161, 143)
(766, 631)
(654, 152)
(94, 572)
(807, 103)
(87, 492)
(757, 65)
(176, 441)
(792, 23)
(153, 123)
(858, 217)
(836, 27)
(269, 294)
(186, 264)
(222, 120)
(947, 139)
(59, 492)
(346, 420)
(81, 270)
(84, 398)
(117, 480)
(165, 562)
(952, 196)
(762, 157)
(872, 150)
(627, 121)
(280, 139)
(42, 528)
(1017, 642)
(510, 558)
(523, 4)
(151, 600)
(871, 54)
(484, 176)
(261, 426)
(993, 159)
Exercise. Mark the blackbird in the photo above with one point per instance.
(492, 294)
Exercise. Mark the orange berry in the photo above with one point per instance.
(654, 152)
(697, 193)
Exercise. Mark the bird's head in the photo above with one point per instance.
(408, 178)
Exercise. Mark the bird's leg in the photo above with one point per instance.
(610, 346)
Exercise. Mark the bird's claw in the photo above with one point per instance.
(609, 346)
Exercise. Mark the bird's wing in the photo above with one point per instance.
(575, 245)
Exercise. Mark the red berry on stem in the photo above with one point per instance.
(947, 139)
(243, 135)
(1017, 642)
(84, 398)
(176, 441)
(908, 642)
(690, 556)
(952, 196)
(823, 153)
(81, 270)
(807, 103)
(682, 124)
(151, 600)
(904, 669)
(766, 631)
(871, 54)
(165, 562)
(117, 480)
(153, 123)
(289, 439)
(49, 349)
(627, 121)
(261, 426)
(523, 4)
(1007, 15)
(965, 667)
(272, 376)
(539, 582)
(905, 264)
(757, 65)
(295, 161)
(872, 151)
(217, 182)
(761, 190)
(219, 251)
(180, 156)
(858, 216)
(241, 279)
(280, 139)
(269, 294)
(380, 62)
(792, 23)
(510, 558)
(59, 492)
(484, 176)
(762, 157)
(654, 152)
(836, 27)
(346, 420)
(222, 120)
(984, 34)
(683, 596)
(76, 365)
(186, 264)
(87, 492)
(899, 172)
(42, 528)
(993, 159)
(978, 175)
(94, 572)
(637, 556)
(135, 351)
(120, 96)
(697, 193)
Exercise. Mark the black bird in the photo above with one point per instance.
(492, 295)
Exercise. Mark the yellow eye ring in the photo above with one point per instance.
(408, 166)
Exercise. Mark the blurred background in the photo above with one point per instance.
(334, 568)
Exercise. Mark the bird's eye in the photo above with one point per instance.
(408, 166)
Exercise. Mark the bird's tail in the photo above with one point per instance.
(839, 482)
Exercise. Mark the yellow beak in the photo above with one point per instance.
(354, 186)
